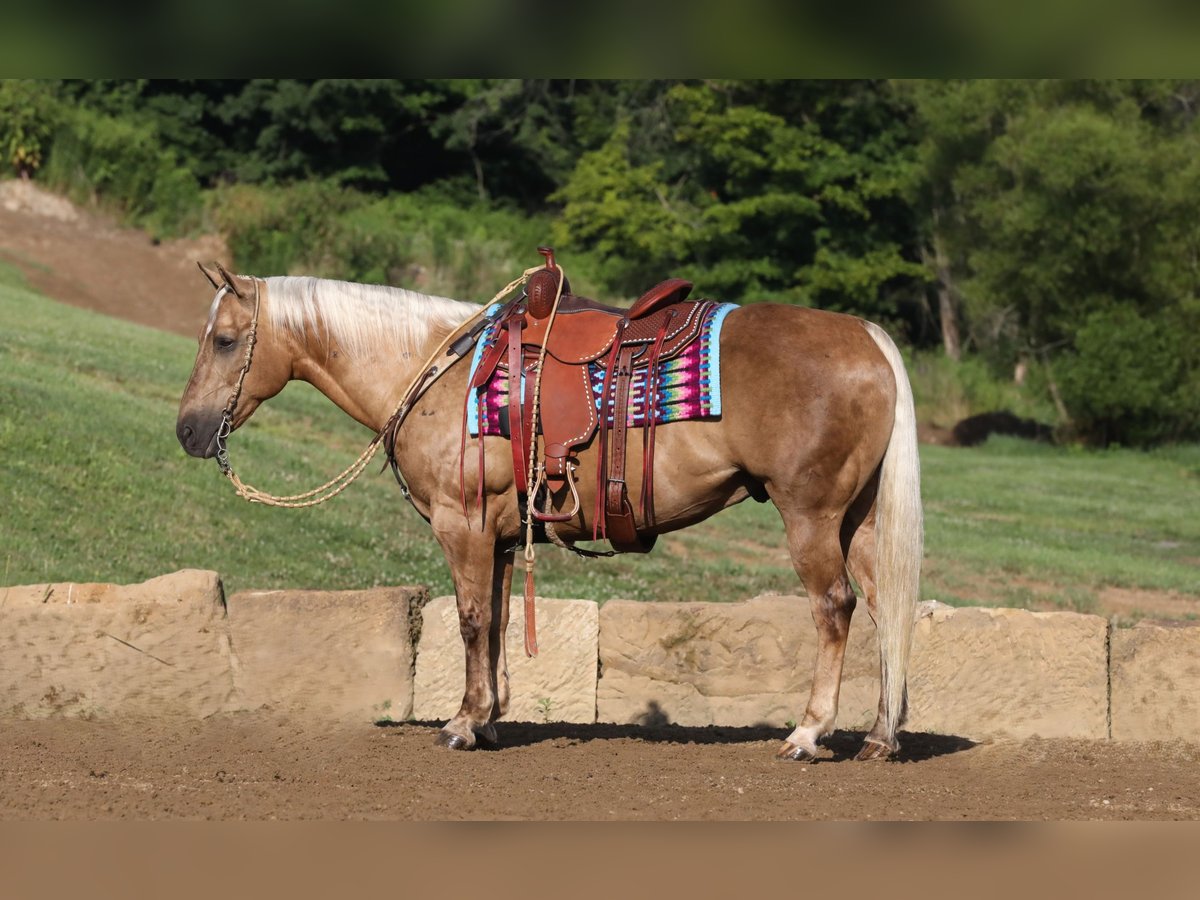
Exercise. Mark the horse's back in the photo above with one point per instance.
(810, 338)
(805, 393)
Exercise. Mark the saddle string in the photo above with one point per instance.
(429, 373)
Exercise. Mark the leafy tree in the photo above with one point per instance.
(364, 133)
(621, 211)
(955, 123)
(1078, 207)
(768, 191)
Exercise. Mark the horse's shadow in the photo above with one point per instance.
(839, 746)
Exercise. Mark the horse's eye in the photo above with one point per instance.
(224, 342)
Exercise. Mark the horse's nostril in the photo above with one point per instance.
(185, 433)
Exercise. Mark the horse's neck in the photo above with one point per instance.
(367, 385)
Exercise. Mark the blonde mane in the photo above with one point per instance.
(360, 317)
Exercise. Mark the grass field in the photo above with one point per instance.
(94, 487)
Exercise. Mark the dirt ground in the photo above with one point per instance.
(248, 766)
(256, 767)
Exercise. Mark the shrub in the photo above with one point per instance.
(947, 392)
(1134, 379)
(420, 240)
(283, 230)
(28, 115)
(122, 162)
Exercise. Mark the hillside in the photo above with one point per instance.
(84, 258)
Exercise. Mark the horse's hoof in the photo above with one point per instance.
(874, 750)
(487, 735)
(793, 751)
(452, 741)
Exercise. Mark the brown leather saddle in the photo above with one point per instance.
(578, 336)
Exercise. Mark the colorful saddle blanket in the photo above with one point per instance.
(689, 385)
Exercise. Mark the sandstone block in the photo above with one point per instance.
(97, 650)
(978, 673)
(1155, 671)
(326, 654)
(558, 685)
(984, 673)
(747, 663)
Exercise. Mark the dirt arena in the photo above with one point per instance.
(258, 767)
(254, 767)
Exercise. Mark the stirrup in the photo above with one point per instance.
(539, 478)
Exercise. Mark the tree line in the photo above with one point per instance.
(1045, 228)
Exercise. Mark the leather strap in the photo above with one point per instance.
(619, 522)
(650, 422)
(599, 520)
(462, 455)
(520, 449)
(531, 647)
(480, 407)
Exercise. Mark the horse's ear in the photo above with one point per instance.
(213, 276)
(230, 281)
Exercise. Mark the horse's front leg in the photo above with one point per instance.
(503, 576)
(482, 576)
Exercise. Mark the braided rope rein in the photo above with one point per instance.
(427, 374)
(531, 647)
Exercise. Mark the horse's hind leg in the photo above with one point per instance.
(816, 551)
(861, 561)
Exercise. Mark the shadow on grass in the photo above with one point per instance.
(838, 747)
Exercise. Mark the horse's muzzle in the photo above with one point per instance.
(197, 437)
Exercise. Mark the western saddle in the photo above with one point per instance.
(551, 336)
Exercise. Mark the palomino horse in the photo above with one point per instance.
(817, 417)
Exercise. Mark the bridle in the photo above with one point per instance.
(226, 426)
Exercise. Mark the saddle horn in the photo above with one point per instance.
(542, 286)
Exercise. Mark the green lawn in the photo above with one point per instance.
(94, 487)
(1013, 522)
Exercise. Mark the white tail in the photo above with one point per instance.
(899, 541)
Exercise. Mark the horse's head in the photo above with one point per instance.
(223, 362)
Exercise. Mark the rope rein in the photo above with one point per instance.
(427, 374)
(531, 648)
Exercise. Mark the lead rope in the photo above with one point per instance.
(531, 647)
(428, 374)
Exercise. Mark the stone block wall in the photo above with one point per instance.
(330, 654)
(97, 650)
(175, 645)
(746, 663)
(558, 685)
(979, 673)
(1155, 674)
(988, 673)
